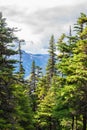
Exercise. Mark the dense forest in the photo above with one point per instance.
(54, 101)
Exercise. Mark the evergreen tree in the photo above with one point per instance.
(80, 60)
(15, 111)
(23, 110)
(35, 75)
(72, 94)
(69, 93)
(21, 69)
(51, 70)
(32, 79)
(45, 118)
(7, 103)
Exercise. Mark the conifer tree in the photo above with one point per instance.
(35, 75)
(32, 79)
(15, 111)
(80, 74)
(44, 112)
(51, 70)
(7, 103)
(21, 69)
(72, 93)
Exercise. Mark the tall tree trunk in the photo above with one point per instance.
(76, 124)
(84, 121)
(73, 122)
(50, 126)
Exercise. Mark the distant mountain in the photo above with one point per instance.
(27, 58)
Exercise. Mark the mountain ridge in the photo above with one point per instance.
(28, 58)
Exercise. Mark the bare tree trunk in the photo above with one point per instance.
(84, 121)
(73, 122)
(76, 124)
(50, 126)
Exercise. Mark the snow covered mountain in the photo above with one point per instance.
(27, 58)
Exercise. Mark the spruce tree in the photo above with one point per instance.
(7, 103)
(72, 95)
(51, 69)
(80, 74)
(21, 68)
(35, 75)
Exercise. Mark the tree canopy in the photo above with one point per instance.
(56, 100)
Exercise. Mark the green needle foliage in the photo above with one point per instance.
(15, 111)
(7, 103)
(54, 101)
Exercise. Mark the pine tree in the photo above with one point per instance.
(35, 75)
(7, 103)
(21, 69)
(80, 74)
(51, 69)
(73, 91)
(23, 110)
(32, 79)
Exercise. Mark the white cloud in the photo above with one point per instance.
(39, 19)
(36, 48)
(40, 3)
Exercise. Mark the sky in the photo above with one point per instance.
(37, 20)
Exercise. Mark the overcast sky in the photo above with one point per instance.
(39, 19)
